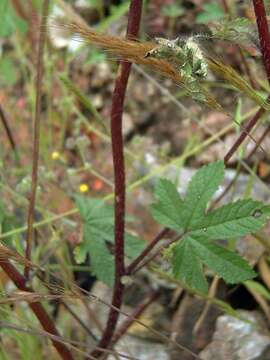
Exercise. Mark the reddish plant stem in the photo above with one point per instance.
(240, 51)
(9, 132)
(119, 176)
(78, 319)
(265, 50)
(258, 143)
(136, 314)
(31, 211)
(233, 181)
(244, 133)
(40, 275)
(264, 37)
(21, 282)
(147, 250)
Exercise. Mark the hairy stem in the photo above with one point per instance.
(10, 137)
(31, 211)
(119, 176)
(264, 37)
(265, 50)
(252, 122)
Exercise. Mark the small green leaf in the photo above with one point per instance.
(102, 263)
(201, 188)
(227, 264)
(10, 22)
(98, 231)
(170, 206)
(8, 72)
(233, 220)
(95, 211)
(187, 267)
(133, 246)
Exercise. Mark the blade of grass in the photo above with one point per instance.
(84, 100)
(9, 133)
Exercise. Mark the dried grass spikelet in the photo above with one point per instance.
(232, 76)
(123, 48)
(32, 297)
(9, 254)
(133, 51)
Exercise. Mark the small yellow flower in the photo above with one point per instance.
(84, 188)
(55, 155)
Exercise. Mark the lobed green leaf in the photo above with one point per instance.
(227, 264)
(187, 267)
(98, 230)
(233, 220)
(200, 190)
(200, 228)
(169, 209)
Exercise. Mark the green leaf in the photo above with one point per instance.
(187, 267)
(201, 188)
(227, 264)
(192, 252)
(102, 261)
(212, 11)
(133, 246)
(200, 229)
(98, 231)
(8, 72)
(233, 220)
(170, 206)
(94, 211)
(10, 22)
